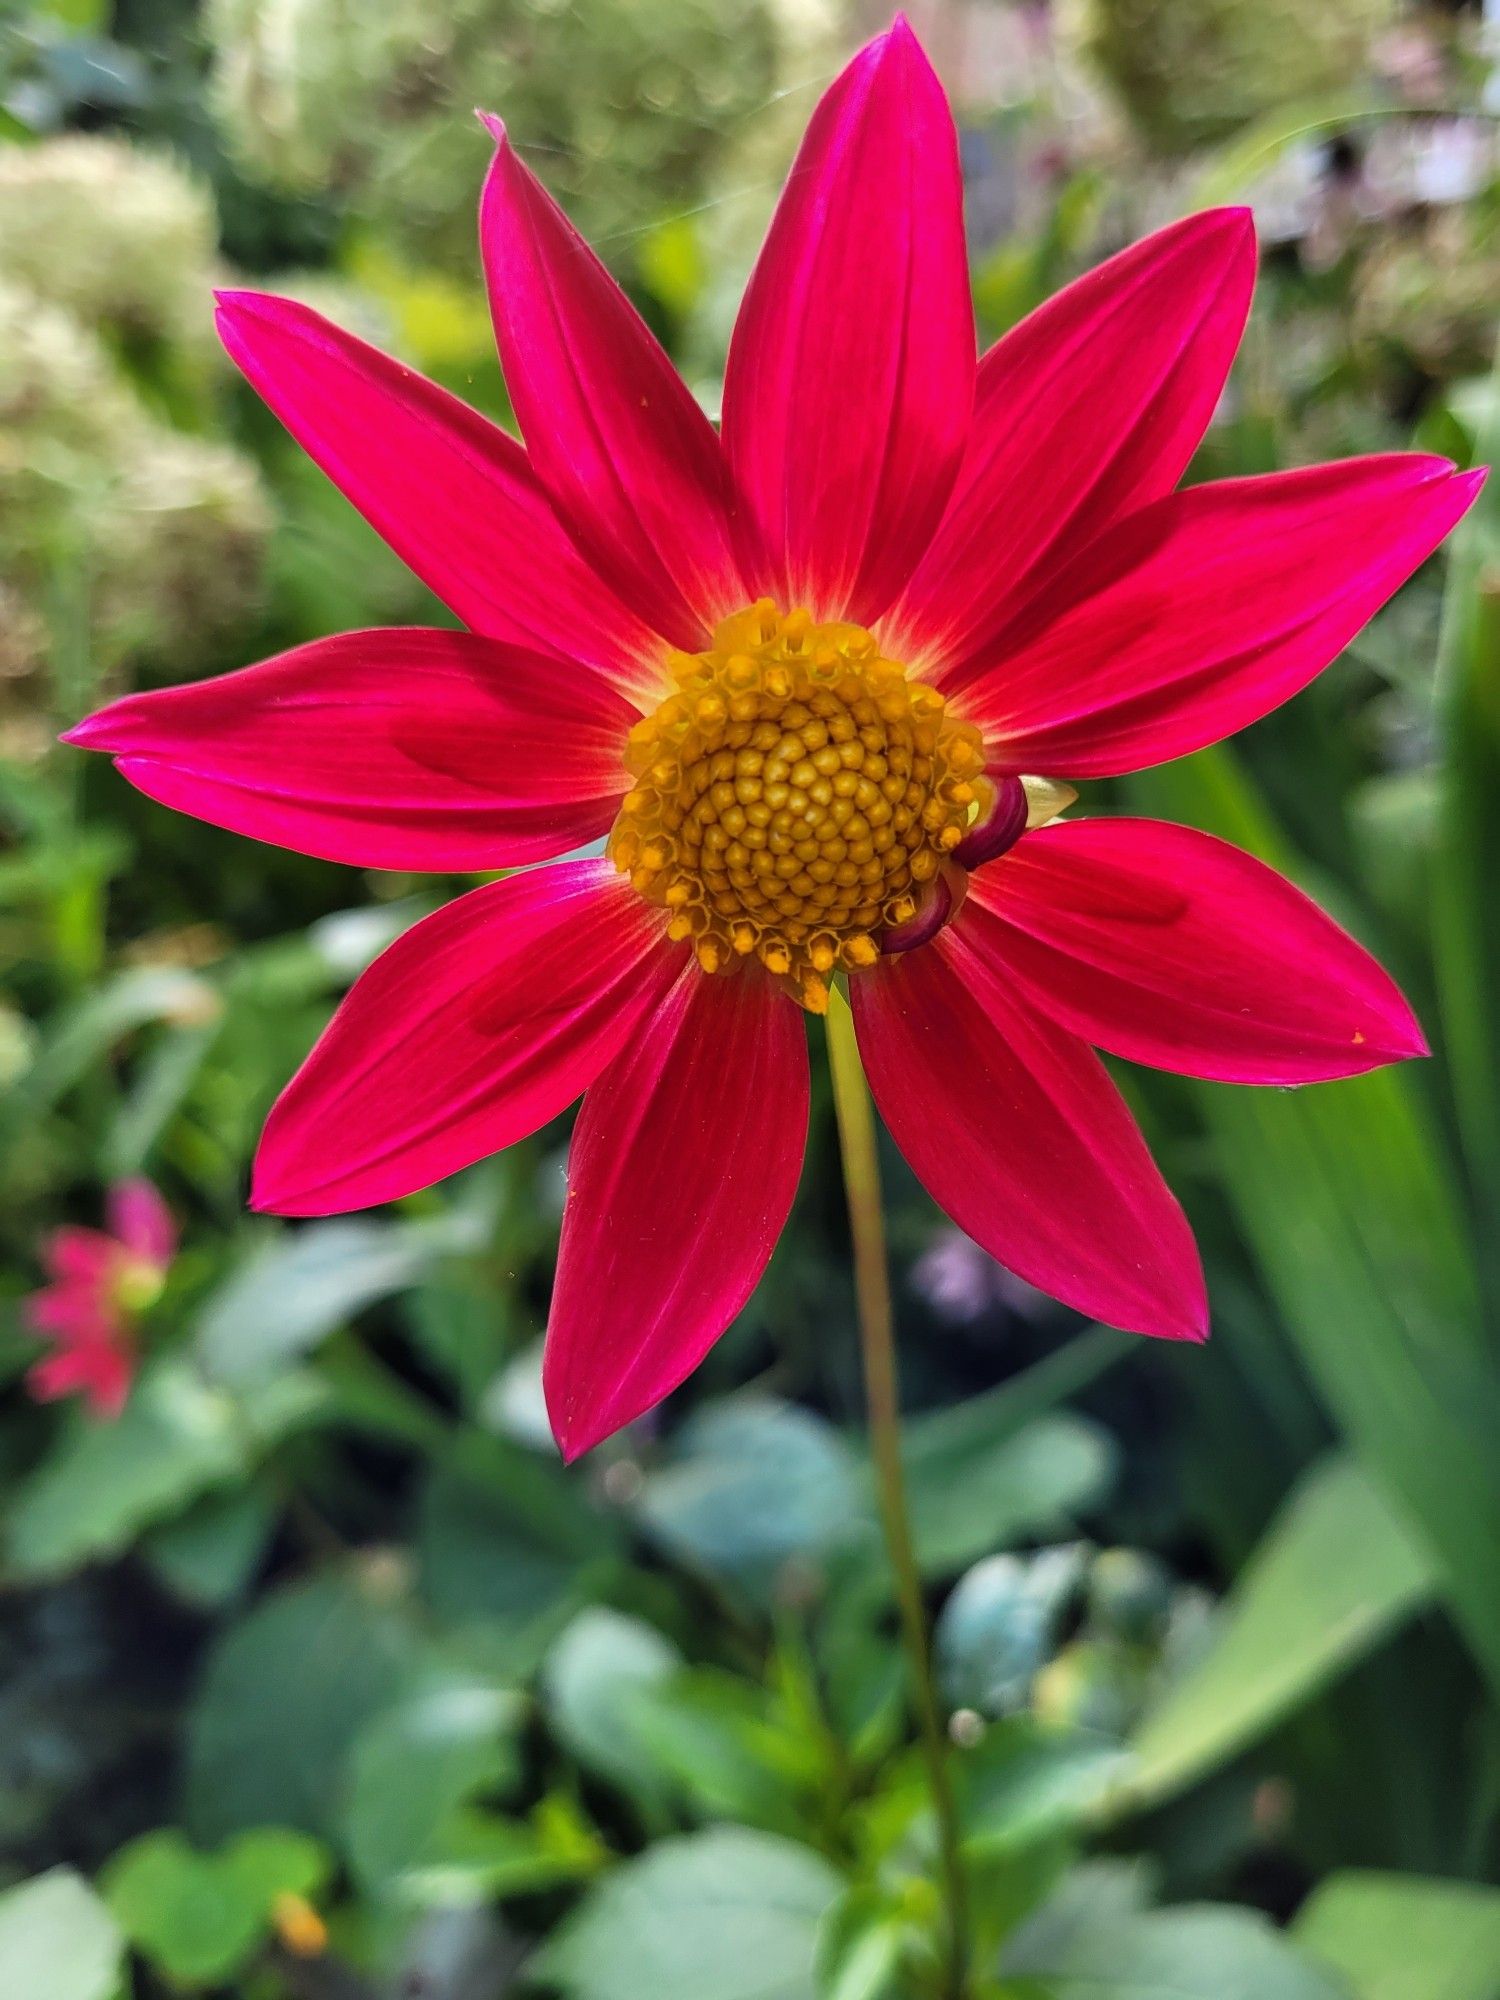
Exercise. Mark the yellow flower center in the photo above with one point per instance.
(793, 797)
(138, 1284)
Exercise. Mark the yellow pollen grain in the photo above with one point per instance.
(791, 798)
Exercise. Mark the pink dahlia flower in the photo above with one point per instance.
(101, 1281)
(822, 677)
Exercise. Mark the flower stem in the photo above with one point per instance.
(856, 1123)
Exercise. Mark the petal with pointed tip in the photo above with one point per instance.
(1013, 1127)
(850, 381)
(685, 1161)
(1088, 409)
(385, 749)
(1204, 611)
(451, 493)
(1164, 945)
(631, 463)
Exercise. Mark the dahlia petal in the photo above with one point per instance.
(99, 1371)
(478, 1025)
(629, 460)
(685, 1160)
(71, 1311)
(1202, 612)
(451, 493)
(1169, 947)
(80, 1256)
(387, 749)
(850, 381)
(1090, 407)
(141, 1220)
(1015, 1130)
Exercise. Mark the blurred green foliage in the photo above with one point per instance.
(319, 1678)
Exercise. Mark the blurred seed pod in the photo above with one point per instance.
(372, 104)
(1189, 72)
(124, 238)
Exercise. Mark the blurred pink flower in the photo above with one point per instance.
(101, 1281)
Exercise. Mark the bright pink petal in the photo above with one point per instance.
(390, 749)
(1015, 1130)
(99, 1371)
(630, 461)
(72, 1311)
(850, 382)
(1089, 408)
(685, 1160)
(1202, 612)
(485, 1020)
(80, 1256)
(451, 493)
(142, 1221)
(1172, 948)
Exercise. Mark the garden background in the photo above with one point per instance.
(319, 1678)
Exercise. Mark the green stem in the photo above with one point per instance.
(856, 1123)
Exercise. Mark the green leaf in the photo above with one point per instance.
(286, 1692)
(198, 1917)
(1401, 1937)
(481, 1857)
(415, 1765)
(1336, 1573)
(208, 1556)
(711, 1735)
(726, 1912)
(508, 1540)
(1024, 1782)
(591, 1678)
(967, 1499)
(1195, 1953)
(860, 1948)
(752, 1483)
(175, 1440)
(1344, 1202)
(57, 1939)
(1466, 928)
(88, 1030)
(304, 1284)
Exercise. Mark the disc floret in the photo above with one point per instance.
(794, 797)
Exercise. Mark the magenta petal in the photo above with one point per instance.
(685, 1161)
(1202, 612)
(630, 461)
(388, 749)
(142, 1221)
(80, 1256)
(1172, 948)
(850, 381)
(98, 1370)
(1015, 1130)
(1089, 408)
(481, 1023)
(74, 1309)
(451, 493)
